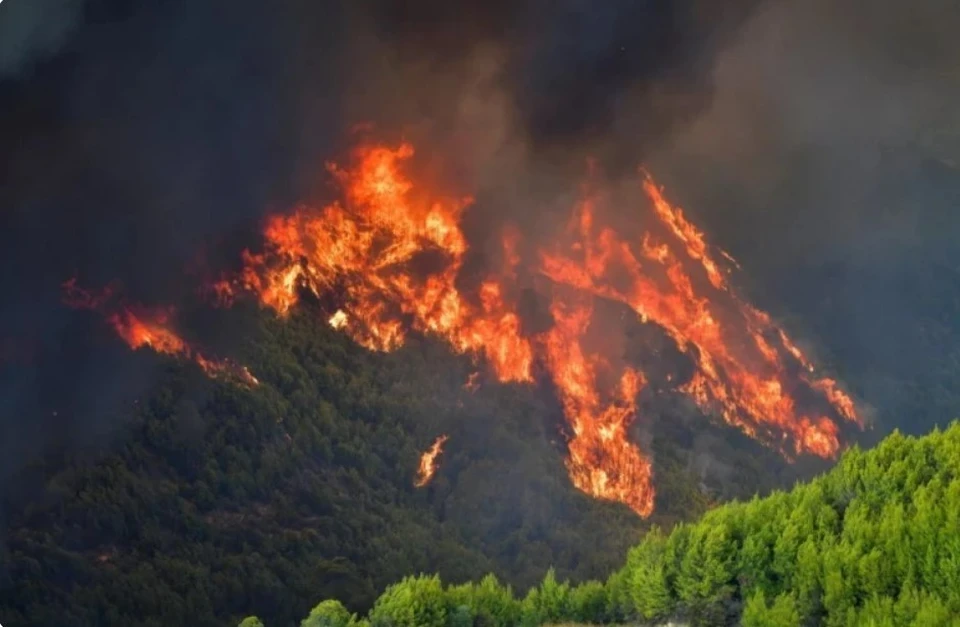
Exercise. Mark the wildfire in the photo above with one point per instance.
(364, 247)
(674, 282)
(429, 462)
(603, 462)
(139, 327)
(391, 252)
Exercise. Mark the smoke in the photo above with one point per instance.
(827, 163)
(825, 91)
(146, 140)
(32, 30)
(161, 132)
(572, 67)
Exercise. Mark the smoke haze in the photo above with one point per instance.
(827, 162)
(150, 138)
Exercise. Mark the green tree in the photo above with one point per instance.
(550, 602)
(491, 603)
(648, 582)
(589, 603)
(414, 602)
(782, 613)
(329, 613)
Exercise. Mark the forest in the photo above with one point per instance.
(211, 501)
(151, 145)
(873, 542)
(218, 500)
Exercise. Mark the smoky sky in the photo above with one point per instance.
(143, 141)
(155, 134)
(571, 66)
(827, 162)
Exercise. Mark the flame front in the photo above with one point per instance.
(141, 327)
(392, 253)
(364, 248)
(603, 461)
(742, 373)
(429, 462)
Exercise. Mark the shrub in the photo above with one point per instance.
(329, 613)
(414, 602)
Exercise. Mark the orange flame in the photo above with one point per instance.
(429, 462)
(603, 462)
(364, 248)
(139, 327)
(392, 252)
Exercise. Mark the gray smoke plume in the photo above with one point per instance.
(32, 30)
(827, 161)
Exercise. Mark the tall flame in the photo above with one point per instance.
(392, 253)
(429, 462)
(364, 248)
(142, 327)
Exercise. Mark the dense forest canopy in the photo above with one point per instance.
(145, 144)
(876, 541)
(221, 499)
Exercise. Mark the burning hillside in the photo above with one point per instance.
(392, 254)
(142, 327)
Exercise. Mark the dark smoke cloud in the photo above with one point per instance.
(162, 130)
(827, 161)
(146, 139)
(572, 69)
(31, 30)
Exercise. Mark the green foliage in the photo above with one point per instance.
(589, 603)
(329, 613)
(646, 577)
(782, 613)
(875, 541)
(490, 603)
(548, 603)
(414, 602)
(460, 616)
(221, 501)
(251, 621)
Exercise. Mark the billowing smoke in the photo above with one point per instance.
(827, 162)
(154, 140)
(145, 141)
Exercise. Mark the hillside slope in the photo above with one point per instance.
(876, 541)
(219, 500)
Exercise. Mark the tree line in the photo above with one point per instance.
(875, 541)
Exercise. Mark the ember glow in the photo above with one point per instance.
(429, 462)
(142, 327)
(369, 249)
